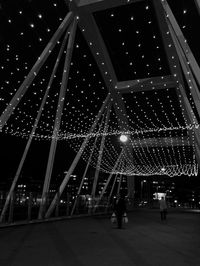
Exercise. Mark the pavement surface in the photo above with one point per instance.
(94, 241)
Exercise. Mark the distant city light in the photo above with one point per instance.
(159, 195)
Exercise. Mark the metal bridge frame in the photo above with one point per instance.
(178, 54)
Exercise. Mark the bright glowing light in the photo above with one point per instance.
(123, 138)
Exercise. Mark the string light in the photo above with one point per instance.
(151, 115)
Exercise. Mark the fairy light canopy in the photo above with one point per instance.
(160, 135)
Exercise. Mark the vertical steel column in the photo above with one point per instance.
(68, 202)
(131, 190)
(35, 69)
(76, 159)
(57, 205)
(86, 169)
(30, 204)
(11, 210)
(100, 153)
(109, 178)
(58, 116)
(120, 182)
(131, 186)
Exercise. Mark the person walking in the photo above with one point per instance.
(163, 209)
(120, 209)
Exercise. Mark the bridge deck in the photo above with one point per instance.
(94, 241)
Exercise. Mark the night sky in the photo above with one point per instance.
(133, 39)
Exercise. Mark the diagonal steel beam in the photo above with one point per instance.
(197, 2)
(76, 159)
(33, 131)
(183, 43)
(163, 12)
(57, 122)
(98, 5)
(98, 48)
(35, 69)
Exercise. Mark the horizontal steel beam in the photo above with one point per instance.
(155, 83)
(97, 5)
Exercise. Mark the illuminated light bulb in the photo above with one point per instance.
(123, 138)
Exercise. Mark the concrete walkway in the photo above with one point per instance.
(95, 242)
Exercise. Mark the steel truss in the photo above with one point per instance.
(80, 15)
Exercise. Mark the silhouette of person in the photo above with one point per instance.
(163, 209)
(119, 209)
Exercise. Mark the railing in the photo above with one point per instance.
(25, 209)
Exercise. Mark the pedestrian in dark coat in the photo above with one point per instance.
(119, 209)
(163, 209)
